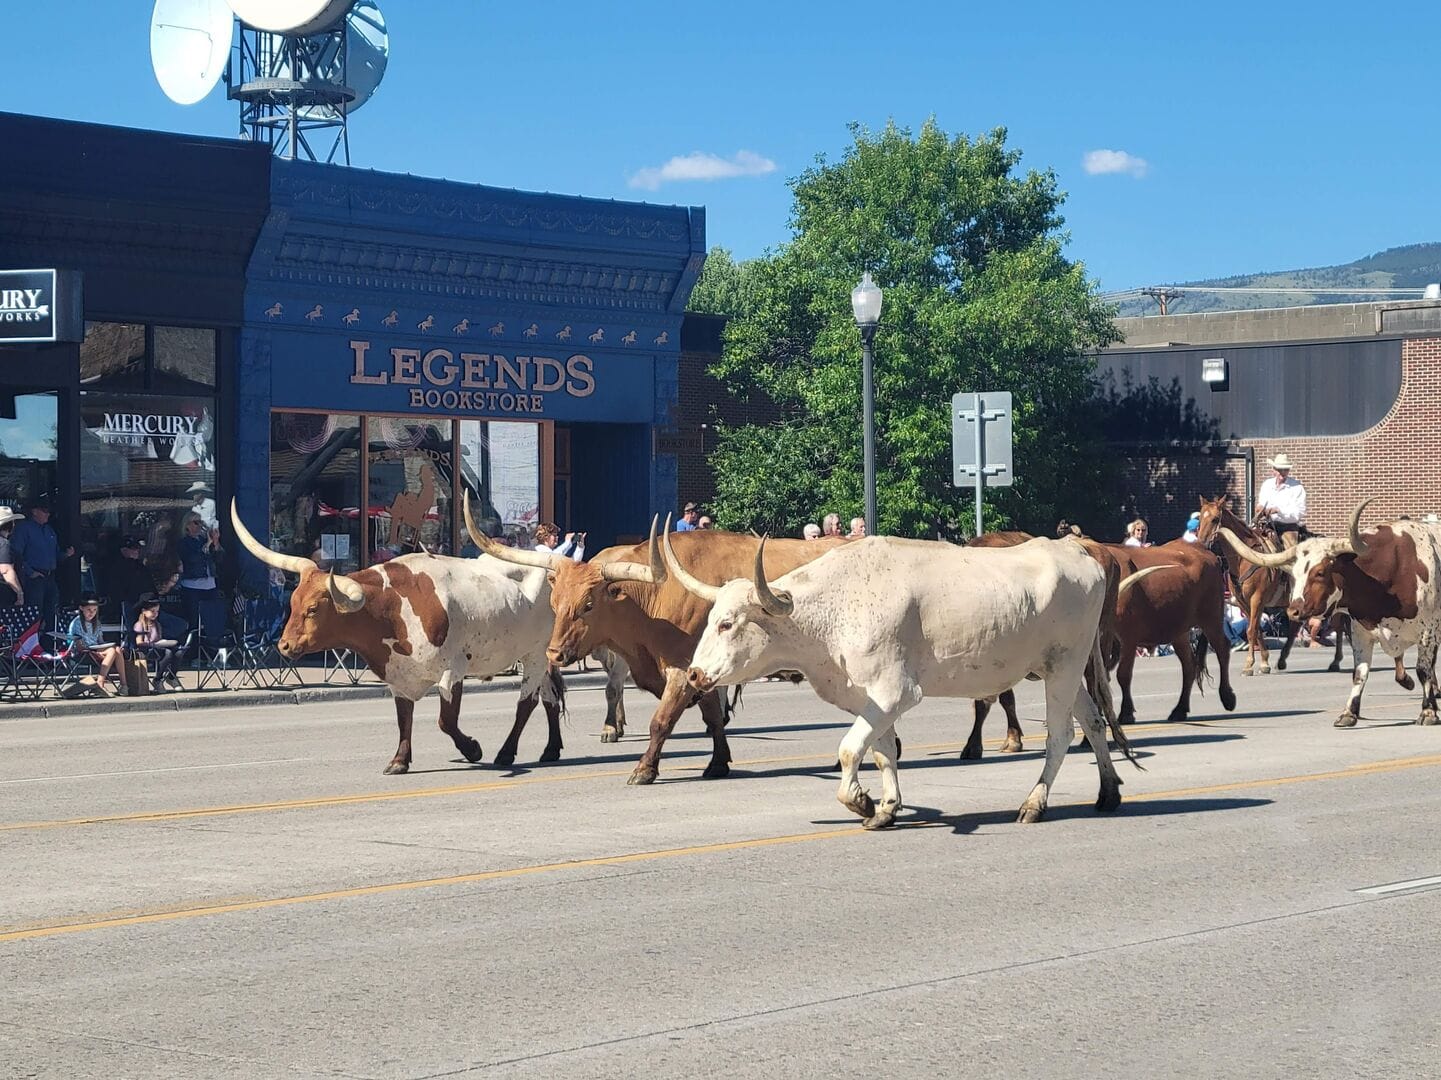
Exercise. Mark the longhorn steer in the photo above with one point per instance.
(1386, 582)
(881, 622)
(427, 620)
(624, 600)
(1163, 610)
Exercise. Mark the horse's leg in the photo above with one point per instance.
(1258, 608)
(1124, 668)
(1292, 627)
(1340, 625)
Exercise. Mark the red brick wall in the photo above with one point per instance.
(1396, 460)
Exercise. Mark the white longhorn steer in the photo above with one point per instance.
(880, 623)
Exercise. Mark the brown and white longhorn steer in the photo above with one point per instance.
(427, 620)
(1386, 581)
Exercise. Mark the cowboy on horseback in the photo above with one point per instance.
(1282, 502)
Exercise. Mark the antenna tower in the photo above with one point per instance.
(293, 92)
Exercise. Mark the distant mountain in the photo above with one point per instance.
(1412, 266)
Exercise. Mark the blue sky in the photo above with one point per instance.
(1258, 136)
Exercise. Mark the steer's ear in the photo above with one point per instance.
(550, 576)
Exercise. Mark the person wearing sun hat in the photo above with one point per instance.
(1282, 498)
(203, 505)
(8, 518)
(1193, 525)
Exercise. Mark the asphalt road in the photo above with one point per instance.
(242, 893)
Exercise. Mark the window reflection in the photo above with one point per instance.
(184, 359)
(500, 466)
(315, 488)
(114, 352)
(410, 484)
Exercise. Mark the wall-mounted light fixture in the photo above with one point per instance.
(1217, 372)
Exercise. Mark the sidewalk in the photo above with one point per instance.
(368, 690)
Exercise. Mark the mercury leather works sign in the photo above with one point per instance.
(40, 306)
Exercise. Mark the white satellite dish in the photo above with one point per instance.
(292, 17)
(367, 47)
(189, 44)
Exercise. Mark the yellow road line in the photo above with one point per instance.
(434, 792)
(173, 913)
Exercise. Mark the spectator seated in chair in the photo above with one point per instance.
(150, 640)
(85, 633)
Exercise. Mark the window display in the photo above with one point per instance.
(315, 488)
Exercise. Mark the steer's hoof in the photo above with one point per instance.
(395, 768)
(1406, 682)
(1428, 718)
(1012, 745)
(1126, 718)
(1178, 715)
(609, 734)
(861, 804)
(549, 754)
(1030, 813)
(1335, 665)
(1109, 800)
(971, 752)
(1280, 665)
(1266, 668)
(1228, 698)
(506, 758)
(1346, 719)
(717, 770)
(642, 776)
(1248, 671)
(883, 817)
(470, 750)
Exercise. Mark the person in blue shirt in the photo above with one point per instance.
(85, 633)
(37, 548)
(689, 518)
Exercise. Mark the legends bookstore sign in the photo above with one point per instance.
(41, 306)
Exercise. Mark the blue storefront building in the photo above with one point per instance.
(345, 352)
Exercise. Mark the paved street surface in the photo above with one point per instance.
(241, 893)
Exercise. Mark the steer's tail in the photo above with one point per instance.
(552, 689)
(1098, 680)
(1202, 675)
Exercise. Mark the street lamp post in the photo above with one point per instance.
(866, 305)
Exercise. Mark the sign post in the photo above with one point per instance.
(981, 443)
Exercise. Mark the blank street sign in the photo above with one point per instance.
(995, 413)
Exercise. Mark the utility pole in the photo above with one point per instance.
(1163, 295)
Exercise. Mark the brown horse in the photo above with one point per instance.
(1255, 588)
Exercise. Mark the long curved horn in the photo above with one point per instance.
(345, 594)
(1358, 545)
(1131, 579)
(1270, 559)
(519, 556)
(294, 563)
(653, 574)
(708, 593)
(775, 603)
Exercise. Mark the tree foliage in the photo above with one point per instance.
(978, 296)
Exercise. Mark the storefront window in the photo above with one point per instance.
(28, 426)
(500, 466)
(411, 471)
(315, 489)
(146, 463)
(184, 359)
(114, 353)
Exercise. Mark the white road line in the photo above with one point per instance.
(146, 772)
(1400, 886)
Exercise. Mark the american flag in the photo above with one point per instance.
(22, 627)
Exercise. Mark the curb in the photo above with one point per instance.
(235, 699)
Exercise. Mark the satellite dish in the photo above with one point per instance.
(189, 44)
(367, 46)
(292, 17)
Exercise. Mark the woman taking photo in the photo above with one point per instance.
(85, 634)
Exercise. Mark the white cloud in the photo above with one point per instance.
(1106, 162)
(698, 165)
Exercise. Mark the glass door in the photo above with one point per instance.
(411, 468)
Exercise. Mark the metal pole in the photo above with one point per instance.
(980, 465)
(868, 409)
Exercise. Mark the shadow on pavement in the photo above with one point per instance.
(926, 817)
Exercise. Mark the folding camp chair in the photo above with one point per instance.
(39, 658)
(263, 665)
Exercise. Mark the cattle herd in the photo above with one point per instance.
(874, 625)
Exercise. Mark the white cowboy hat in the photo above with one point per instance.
(8, 515)
(1280, 461)
(199, 485)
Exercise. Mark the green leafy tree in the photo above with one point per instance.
(978, 296)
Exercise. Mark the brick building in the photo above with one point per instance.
(1349, 392)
